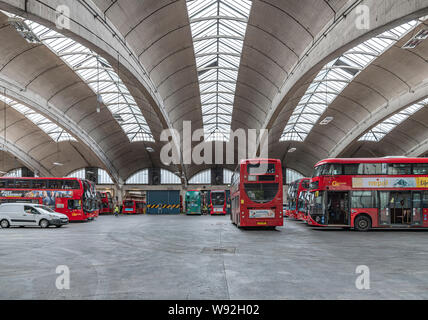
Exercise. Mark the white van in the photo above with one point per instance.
(30, 215)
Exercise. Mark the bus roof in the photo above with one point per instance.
(245, 161)
(373, 160)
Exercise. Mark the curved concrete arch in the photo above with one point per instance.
(24, 157)
(89, 26)
(44, 107)
(341, 36)
(378, 116)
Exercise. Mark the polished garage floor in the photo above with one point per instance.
(180, 257)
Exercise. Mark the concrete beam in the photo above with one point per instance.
(41, 105)
(380, 114)
(24, 157)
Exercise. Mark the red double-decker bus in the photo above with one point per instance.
(389, 192)
(106, 206)
(73, 197)
(218, 202)
(256, 194)
(294, 194)
(132, 206)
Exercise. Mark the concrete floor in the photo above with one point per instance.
(174, 257)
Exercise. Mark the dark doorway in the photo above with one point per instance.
(338, 208)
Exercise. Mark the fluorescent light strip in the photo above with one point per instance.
(218, 32)
(335, 77)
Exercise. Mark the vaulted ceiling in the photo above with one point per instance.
(260, 73)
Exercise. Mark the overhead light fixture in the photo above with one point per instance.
(326, 121)
(118, 118)
(23, 29)
(292, 150)
(59, 164)
(150, 149)
(422, 35)
(416, 40)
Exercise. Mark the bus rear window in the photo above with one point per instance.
(129, 203)
(217, 198)
(261, 192)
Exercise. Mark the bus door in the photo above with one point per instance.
(400, 207)
(417, 208)
(384, 208)
(338, 208)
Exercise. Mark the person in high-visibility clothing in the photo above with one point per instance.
(116, 211)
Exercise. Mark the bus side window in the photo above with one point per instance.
(39, 184)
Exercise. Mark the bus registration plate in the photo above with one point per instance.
(262, 214)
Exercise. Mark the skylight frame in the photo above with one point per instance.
(334, 77)
(55, 132)
(75, 55)
(218, 32)
(377, 133)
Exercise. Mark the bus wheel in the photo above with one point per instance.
(362, 223)
(4, 224)
(44, 224)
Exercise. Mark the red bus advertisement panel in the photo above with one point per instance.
(370, 193)
(256, 194)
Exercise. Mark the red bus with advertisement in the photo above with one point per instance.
(106, 203)
(132, 206)
(73, 197)
(367, 193)
(294, 191)
(257, 194)
(218, 203)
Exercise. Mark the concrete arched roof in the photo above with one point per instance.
(280, 57)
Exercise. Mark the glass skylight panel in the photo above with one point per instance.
(50, 128)
(334, 78)
(100, 77)
(218, 31)
(382, 129)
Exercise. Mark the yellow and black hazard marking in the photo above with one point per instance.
(163, 206)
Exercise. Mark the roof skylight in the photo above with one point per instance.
(382, 129)
(100, 77)
(335, 77)
(55, 132)
(218, 32)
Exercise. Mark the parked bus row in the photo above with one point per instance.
(363, 194)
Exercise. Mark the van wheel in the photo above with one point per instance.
(44, 224)
(362, 223)
(4, 224)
